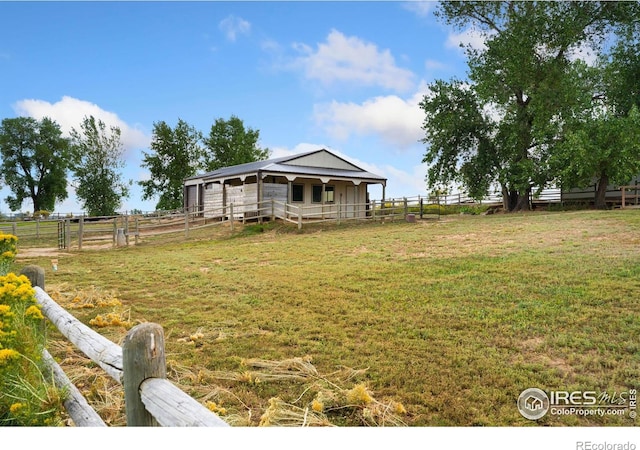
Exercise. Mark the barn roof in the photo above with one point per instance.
(315, 164)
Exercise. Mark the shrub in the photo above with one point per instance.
(7, 251)
(27, 398)
(41, 214)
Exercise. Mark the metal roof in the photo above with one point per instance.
(279, 166)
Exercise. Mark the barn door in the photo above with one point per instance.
(192, 198)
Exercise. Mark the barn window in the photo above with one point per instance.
(317, 194)
(297, 193)
(329, 196)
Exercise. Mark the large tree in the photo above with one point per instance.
(176, 154)
(98, 154)
(603, 149)
(526, 75)
(602, 146)
(35, 159)
(461, 138)
(229, 143)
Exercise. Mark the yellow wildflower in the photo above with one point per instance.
(24, 292)
(359, 395)
(33, 312)
(14, 408)
(246, 377)
(218, 409)
(399, 408)
(10, 238)
(6, 355)
(317, 405)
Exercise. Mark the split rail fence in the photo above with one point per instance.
(125, 229)
(76, 232)
(139, 365)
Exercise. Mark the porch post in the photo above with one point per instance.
(224, 200)
(323, 197)
(259, 199)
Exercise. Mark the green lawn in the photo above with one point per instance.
(450, 318)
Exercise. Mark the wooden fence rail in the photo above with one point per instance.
(139, 365)
(122, 230)
(626, 195)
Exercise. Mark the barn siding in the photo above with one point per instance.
(212, 200)
(278, 192)
(613, 192)
(244, 199)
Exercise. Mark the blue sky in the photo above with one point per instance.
(346, 76)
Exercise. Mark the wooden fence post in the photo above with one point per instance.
(126, 228)
(80, 232)
(35, 274)
(186, 223)
(14, 229)
(299, 217)
(273, 209)
(231, 215)
(68, 234)
(142, 358)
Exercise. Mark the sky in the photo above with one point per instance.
(345, 76)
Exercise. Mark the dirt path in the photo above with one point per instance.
(26, 253)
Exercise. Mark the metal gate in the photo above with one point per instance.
(62, 235)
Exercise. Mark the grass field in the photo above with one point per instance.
(447, 319)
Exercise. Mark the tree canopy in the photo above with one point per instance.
(524, 90)
(98, 156)
(176, 155)
(35, 159)
(602, 145)
(229, 143)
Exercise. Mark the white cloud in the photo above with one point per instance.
(420, 8)
(468, 38)
(281, 152)
(586, 52)
(350, 59)
(396, 120)
(400, 183)
(232, 26)
(69, 113)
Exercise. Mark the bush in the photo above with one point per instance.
(27, 398)
(41, 214)
(7, 251)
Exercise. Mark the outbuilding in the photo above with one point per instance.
(318, 182)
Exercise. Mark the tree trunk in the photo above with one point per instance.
(522, 203)
(513, 200)
(601, 191)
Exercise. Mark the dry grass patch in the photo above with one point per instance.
(450, 319)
